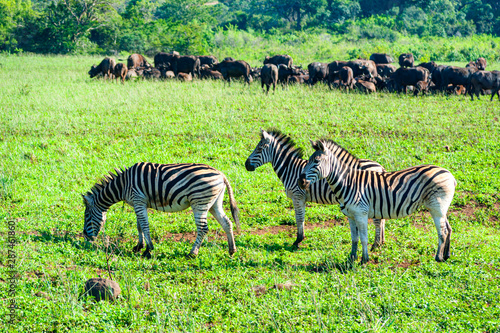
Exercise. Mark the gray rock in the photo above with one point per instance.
(102, 289)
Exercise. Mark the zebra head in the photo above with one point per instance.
(95, 218)
(318, 167)
(261, 154)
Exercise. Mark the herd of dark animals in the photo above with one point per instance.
(375, 74)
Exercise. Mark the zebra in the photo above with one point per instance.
(365, 194)
(279, 149)
(163, 187)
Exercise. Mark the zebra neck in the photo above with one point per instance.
(285, 160)
(109, 193)
(340, 178)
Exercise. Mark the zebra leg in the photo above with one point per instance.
(354, 240)
(362, 224)
(218, 212)
(200, 218)
(141, 212)
(379, 233)
(443, 229)
(140, 244)
(299, 205)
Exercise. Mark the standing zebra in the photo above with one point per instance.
(165, 187)
(387, 195)
(280, 150)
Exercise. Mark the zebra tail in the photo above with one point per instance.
(234, 209)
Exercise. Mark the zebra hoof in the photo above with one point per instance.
(146, 254)
(231, 252)
(440, 259)
(137, 248)
(191, 255)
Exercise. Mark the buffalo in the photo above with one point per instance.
(209, 60)
(363, 67)
(229, 59)
(481, 64)
(456, 75)
(333, 68)
(185, 77)
(421, 86)
(284, 73)
(137, 60)
(381, 58)
(268, 77)
(167, 60)
(120, 71)
(277, 60)
(406, 60)
(484, 80)
(206, 73)
(105, 68)
(234, 69)
(151, 73)
(318, 72)
(188, 65)
(404, 77)
(385, 70)
(293, 79)
(365, 86)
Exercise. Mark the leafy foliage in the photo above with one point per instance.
(147, 26)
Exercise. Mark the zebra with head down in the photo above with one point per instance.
(279, 149)
(164, 187)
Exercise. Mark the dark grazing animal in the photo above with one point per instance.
(277, 60)
(137, 60)
(206, 73)
(318, 72)
(333, 70)
(167, 60)
(284, 73)
(383, 195)
(406, 60)
(286, 159)
(482, 81)
(120, 71)
(234, 69)
(184, 77)
(363, 67)
(295, 79)
(152, 73)
(365, 86)
(163, 187)
(385, 70)
(421, 87)
(409, 77)
(268, 77)
(381, 58)
(229, 59)
(105, 68)
(481, 64)
(188, 65)
(208, 60)
(457, 75)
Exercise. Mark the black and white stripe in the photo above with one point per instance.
(278, 149)
(164, 187)
(364, 194)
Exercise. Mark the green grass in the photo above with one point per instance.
(60, 132)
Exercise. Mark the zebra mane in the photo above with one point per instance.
(335, 147)
(105, 180)
(286, 141)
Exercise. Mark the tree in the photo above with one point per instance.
(297, 10)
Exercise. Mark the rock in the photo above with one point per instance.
(102, 289)
(288, 285)
(259, 290)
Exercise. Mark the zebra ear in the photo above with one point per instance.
(314, 144)
(320, 145)
(265, 135)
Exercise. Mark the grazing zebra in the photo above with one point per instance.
(279, 149)
(165, 187)
(387, 195)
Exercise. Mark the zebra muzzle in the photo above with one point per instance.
(249, 166)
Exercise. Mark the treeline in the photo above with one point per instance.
(199, 26)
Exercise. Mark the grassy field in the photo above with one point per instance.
(60, 132)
